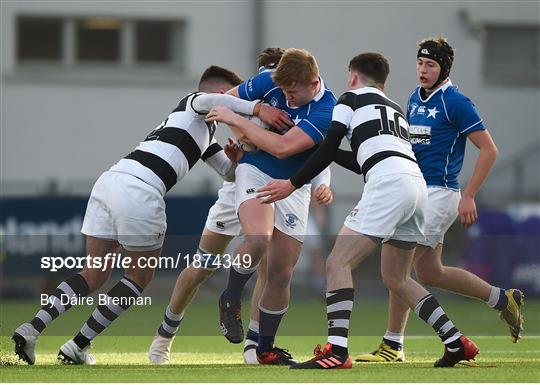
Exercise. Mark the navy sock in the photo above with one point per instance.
(268, 325)
(235, 285)
(252, 335)
(393, 344)
(502, 303)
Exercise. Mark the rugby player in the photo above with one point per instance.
(126, 208)
(391, 211)
(274, 230)
(441, 119)
(222, 225)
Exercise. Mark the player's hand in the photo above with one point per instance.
(467, 211)
(233, 151)
(275, 117)
(222, 114)
(323, 195)
(275, 191)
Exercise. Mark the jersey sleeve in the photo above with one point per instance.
(256, 87)
(343, 111)
(463, 114)
(202, 103)
(316, 124)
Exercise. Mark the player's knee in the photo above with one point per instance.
(257, 244)
(95, 278)
(428, 277)
(141, 277)
(193, 276)
(280, 278)
(393, 282)
(334, 263)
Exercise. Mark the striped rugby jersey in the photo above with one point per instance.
(173, 148)
(376, 129)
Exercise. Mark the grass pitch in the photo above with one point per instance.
(211, 358)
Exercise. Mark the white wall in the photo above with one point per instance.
(54, 127)
(72, 124)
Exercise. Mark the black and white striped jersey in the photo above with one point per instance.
(173, 148)
(376, 129)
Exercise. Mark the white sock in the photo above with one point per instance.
(396, 337)
(253, 326)
(494, 296)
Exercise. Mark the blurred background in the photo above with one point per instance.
(82, 82)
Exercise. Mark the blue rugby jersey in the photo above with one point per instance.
(438, 127)
(313, 118)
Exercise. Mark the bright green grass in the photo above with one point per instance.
(211, 358)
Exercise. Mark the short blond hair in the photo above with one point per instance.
(297, 66)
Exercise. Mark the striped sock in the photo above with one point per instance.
(170, 324)
(125, 291)
(73, 286)
(429, 310)
(269, 323)
(339, 304)
(497, 298)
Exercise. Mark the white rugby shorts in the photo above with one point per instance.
(124, 208)
(392, 207)
(290, 214)
(222, 217)
(441, 212)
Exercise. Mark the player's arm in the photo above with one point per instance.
(294, 141)
(320, 187)
(347, 159)
(223, 161)
(255, 89)
(203, 103)
(486, 158)
(320, 159)
(467, 120)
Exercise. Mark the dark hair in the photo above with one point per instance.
(270, 57)
(372, 65)
(219, 74)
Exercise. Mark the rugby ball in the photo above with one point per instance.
(250, 147)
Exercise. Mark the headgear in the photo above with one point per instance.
(441, 52)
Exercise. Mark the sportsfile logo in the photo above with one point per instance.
(120, 262)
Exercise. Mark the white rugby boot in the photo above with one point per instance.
(250, 354)
(70, 353)
(25, 339)
(160, 350)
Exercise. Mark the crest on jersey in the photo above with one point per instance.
(412, 109)
(273, 101)
(291, 220)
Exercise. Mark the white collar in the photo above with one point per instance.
(320, 93)
(441, 88)
(366, 89)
